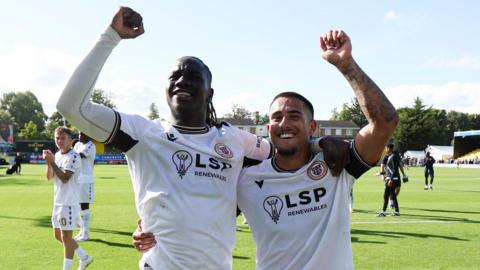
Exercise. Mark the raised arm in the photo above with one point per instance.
(53, 169)
(74, 104)
(380, 113)
(49, 171)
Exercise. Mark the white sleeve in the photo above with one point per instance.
(255, 147)
(73, 163)
(89, 150)
(97, 121)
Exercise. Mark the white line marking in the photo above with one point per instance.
(415, 222)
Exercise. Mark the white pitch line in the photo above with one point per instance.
(415, 222)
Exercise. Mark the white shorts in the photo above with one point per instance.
(65, 217)
(86, 190)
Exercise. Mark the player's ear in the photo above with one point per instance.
(312, 126)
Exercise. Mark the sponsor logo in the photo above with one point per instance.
(317, 170)
(223, 150)
(273, 206)
(303, 202)
(182, 160)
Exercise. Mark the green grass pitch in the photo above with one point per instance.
(438, 229)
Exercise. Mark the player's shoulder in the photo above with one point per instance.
(137, 120)
(73, 154)
(257, 166)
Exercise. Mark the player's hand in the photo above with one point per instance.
(336, 153)
(143, 241)
(48, 156)
(127, 23)
(336, 48)
(405, 179)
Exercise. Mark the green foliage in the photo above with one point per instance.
(102, 97)
(350, 111)
(153, 114)
(29, 131)
(263, 119)
(53, 122)
(23, 108)
(239, 112)
(5, 117)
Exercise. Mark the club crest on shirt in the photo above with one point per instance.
(223, 150)
(182, 161)
(273, 206)
(317, 170)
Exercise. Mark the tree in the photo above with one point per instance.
(263, 119)
(53, 122)
(29, 131)
(420, 126)
(153, 111)
(5, 117)
(102, 97)
(239, 112)
(351, 111)
(23, 108)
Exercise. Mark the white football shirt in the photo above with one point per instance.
(185, 188)
(67, 193)
(89, 151)
(300, 219)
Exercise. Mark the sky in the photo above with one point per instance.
(255, 49)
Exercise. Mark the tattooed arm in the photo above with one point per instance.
(380, 113)
(53, 169)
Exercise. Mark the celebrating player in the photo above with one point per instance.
(86, 149)
(184, 172)
(297, 210)
(64, 168)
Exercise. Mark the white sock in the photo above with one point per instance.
(80, 222)
(81, 253)
(67, 264)
(86, 222)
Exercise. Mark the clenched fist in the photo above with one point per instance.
(336, 48)
(127, 23)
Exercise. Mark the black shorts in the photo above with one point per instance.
(396, 181)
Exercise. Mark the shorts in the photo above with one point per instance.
(428, 171)
(396, 181)
(86, 192)
(65, 217)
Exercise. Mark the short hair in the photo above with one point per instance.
(390, 146)
(64, 129)
(194, 58)
(290, 94)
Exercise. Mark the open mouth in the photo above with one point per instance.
(286, 135)
(182, 93)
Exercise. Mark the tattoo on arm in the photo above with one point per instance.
(374, 104)
(63, 176)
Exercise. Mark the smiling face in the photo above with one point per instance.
(291, 126)
(189, 91)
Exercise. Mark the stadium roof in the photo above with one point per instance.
(466, 133)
